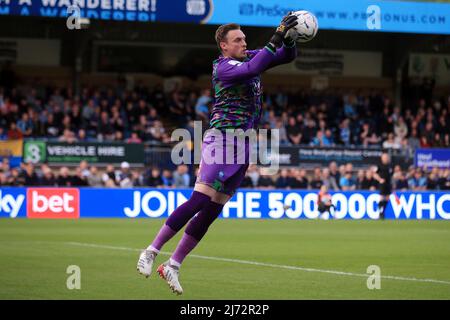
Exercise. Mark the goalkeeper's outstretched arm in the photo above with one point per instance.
(272, 54)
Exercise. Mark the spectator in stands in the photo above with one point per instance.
(177, 108)
(349, 168)
(5, 170)
(318, 141)
(134, 138)
(158, 132)
(283, 136)
(349, 106)
(433, 179)
(369, 182)
(316, 181)
(328, 139)
(81, 136)
(116, 120)
(385, 121)
(294, 132)
(444, 179)
(253, 173)
(418, 181)
(87, 113)
(400, 129)
(109, 175)
(14, 133)
(390, 143)
(94, 179)
(334, 171)
(15, 179)
(360, 179)
(201, 107)
(346, 182)
(48, 178)
(51, 127)
(78, 179)
(428, 132)
(136, 180)
(84, 168)
(64, 179)
(344, 132)
(154, 179)
(117, 136)
(300, 181)
(25, 125)
(401, 183)
(181, 178)
(123, 176)
(167, 178)
(29, 175)
(247, 181)
(365, 134)
(104, 129)
(424, 142)
(68, 136)
(413, 140)
(308, 131)
(67, 123)
(3, 179)
(283, 181)
(328, 180)
(110, 183)
(438, 141)
(265, 181)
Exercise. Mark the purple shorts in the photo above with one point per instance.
(224, 163)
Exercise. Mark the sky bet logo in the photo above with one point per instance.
(53, 203)
(10, 204)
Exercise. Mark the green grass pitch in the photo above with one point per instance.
(35, 254)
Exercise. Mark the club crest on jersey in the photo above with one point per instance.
(235, 63)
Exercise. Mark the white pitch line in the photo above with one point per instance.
(341, 273)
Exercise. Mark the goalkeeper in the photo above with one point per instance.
(237, 105)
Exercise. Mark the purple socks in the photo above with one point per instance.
(179, 218)
(207, 210)
(187, 210)
(198, 226)
(165, 234)
(186, 245)
(195, 230)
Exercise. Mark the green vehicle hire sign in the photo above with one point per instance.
(92, 152)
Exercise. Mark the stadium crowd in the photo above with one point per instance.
(144, 114)
(335, 177)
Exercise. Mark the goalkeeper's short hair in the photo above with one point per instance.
(222, 31)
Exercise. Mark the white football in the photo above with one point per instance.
(307, 27)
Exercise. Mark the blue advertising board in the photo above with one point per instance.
(432, 158)
(121, 10)
(395, 16)
(245, 204)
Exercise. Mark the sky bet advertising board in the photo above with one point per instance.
(74, 203)
(361, 15)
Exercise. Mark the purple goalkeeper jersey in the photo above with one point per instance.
(237, 87)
